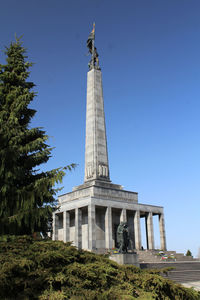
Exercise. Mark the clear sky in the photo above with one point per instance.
(149, 52)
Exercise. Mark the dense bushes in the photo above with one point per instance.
(53, 270)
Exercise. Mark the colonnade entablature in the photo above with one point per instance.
(98, 189)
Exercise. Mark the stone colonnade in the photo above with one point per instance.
(92, 227)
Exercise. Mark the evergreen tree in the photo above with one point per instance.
(188, 253)
(27, 196)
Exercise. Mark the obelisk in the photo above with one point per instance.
(96, 153)
(90, 215)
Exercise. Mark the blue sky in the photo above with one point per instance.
(149, 53)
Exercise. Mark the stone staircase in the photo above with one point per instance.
(185, 268)
(183, 272)
(154, 256)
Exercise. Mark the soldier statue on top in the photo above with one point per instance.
(94, 62)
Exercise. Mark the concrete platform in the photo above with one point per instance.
(125, 259)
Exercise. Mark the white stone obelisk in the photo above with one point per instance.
(91, 213)
(96, 154)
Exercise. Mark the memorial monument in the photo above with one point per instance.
(90, 215)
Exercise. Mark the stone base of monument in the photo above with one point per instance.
(126, 259)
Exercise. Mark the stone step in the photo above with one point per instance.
(176, 265)
(183, 276)
(153, 256)
(183, 271)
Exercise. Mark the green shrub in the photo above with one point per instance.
(43, 269)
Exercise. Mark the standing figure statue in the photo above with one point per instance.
(94, 62)
(123, 237)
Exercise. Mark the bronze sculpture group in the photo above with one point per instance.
(94, 62)
(122, 237)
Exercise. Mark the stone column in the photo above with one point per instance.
(55, 227)
(149, 231)
(162, 232)
(91, 227)
(123, 216)
(78, 228)
(66, 217)
(108, 228)
(137, 230)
